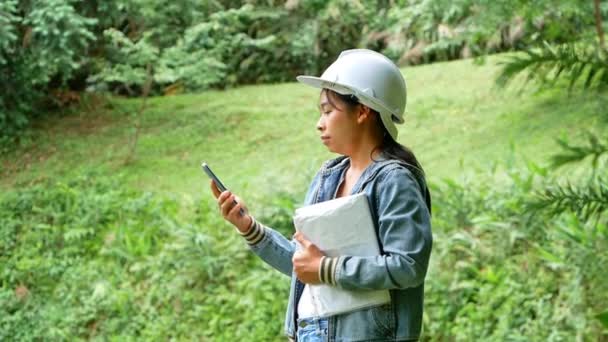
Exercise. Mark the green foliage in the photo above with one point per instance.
(585, 201)
(164, 22)
(573, 62)
(489, 293)
(422, 30)
(12, 115)
(151, 269)
(50, 46)
(338, 27)
(59, 40)
(603, 317)
(229, 47)
(225, 48)
(65, 245)
(594, 148)
(127, 64)
(8, 34)
(41, 42)
(279, 211)
(194, 69)
(90, 259)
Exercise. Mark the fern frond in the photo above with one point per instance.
(547, 64)
(593, 148)
(585, 201)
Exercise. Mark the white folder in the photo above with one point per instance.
(342, 226)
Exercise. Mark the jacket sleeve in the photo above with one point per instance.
(270, 245)
(404, 230)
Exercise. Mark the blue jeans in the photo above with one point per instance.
(312, 330)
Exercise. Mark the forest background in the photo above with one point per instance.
(108, 231)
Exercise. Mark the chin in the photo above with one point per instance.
(333, 150)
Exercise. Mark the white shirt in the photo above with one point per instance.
(306, 307)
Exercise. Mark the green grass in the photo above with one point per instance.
(262, 139)
(163, 266)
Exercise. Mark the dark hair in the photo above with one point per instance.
(388, 147)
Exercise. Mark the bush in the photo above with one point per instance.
(41, 42)
(90, 259)
(67, 249)
(519, 269)
(48, 47)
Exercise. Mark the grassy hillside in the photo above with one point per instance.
(262, 137)
(93, 248)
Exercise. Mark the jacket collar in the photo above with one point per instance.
(338, 165)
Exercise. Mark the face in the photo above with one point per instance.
(337, 126)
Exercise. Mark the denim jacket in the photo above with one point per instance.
(398, 203)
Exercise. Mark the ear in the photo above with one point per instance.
(363, 113)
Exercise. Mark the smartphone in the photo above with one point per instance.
(218, 183)
(212, 175)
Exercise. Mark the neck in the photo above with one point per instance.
(362, 156)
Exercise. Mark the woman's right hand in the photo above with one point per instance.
(230, 210)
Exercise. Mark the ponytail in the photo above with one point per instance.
(389, 147)
(394, 150)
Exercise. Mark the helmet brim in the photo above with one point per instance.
(320, 83)
(385, 113)
(343, 89)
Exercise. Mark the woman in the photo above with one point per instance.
(362, 97)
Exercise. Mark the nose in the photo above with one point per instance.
(320, 124)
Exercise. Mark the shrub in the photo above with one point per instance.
(40, 42)
(525, 259)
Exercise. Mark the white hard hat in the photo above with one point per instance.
(370, 76)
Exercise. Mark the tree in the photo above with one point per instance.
(41, 42)
(598, 23)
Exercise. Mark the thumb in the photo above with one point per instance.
(302, 240)
(214, 189)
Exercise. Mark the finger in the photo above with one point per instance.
(302, 240)
(216, 192)
(235, 211)
(295, 258)
(223, 197)
(227, 206)
(240, 201)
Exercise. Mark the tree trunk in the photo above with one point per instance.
(138, 115)
(598, 24)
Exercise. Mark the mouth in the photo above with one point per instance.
(324, 139)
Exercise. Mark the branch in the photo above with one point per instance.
(598, 24)
(138, 115)
(585, 201)
(547, 64)
(575, 153)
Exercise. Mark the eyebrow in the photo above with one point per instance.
(324, 104)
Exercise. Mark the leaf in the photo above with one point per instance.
(603, 317)
(551, 62)
(548, 256)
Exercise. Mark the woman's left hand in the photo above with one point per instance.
(306, 261)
